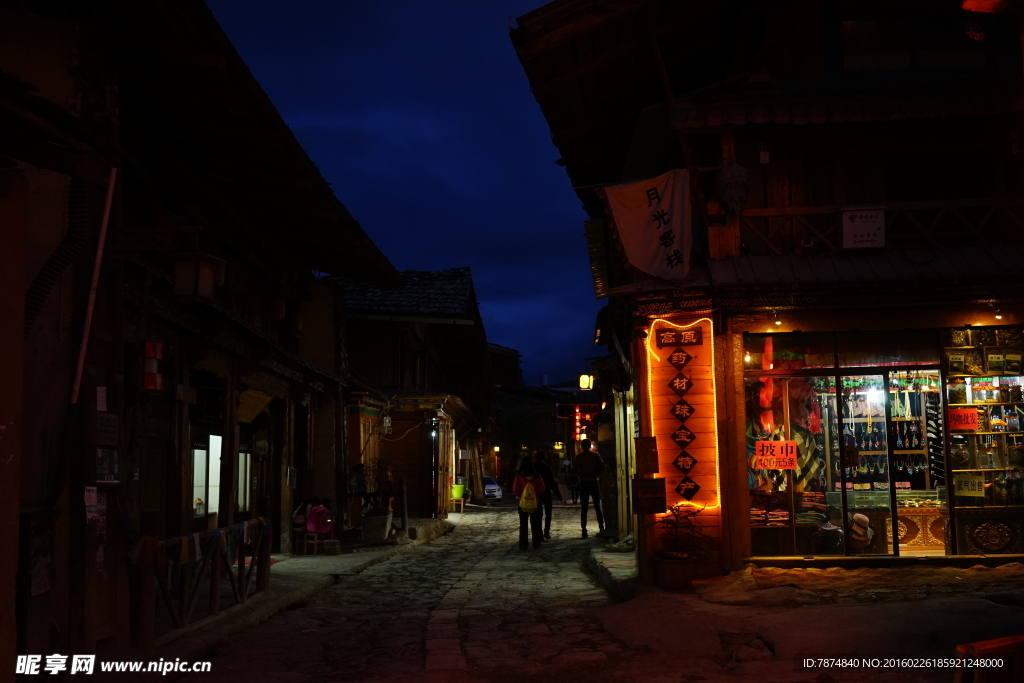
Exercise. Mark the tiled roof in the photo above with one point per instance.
(447, 293)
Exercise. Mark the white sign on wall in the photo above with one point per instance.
(863, 228)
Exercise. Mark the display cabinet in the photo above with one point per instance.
(986, 440)
(985, 417)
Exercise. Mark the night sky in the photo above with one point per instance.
(421, 117)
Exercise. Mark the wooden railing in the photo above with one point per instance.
(934, 224)
(179, 584)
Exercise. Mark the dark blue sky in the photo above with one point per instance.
(422, 118)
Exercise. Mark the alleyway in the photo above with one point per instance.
(470, 607)
(467, 601)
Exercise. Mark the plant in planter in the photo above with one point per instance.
(685, 548)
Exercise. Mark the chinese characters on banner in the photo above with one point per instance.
(963, 419)
(652, 219)
(682, 402)
(775, 455)
(863, 228)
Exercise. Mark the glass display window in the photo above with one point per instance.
(911, 444)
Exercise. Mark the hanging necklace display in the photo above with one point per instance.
(862, 465)
(899, 439)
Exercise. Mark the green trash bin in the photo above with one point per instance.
(458, 490)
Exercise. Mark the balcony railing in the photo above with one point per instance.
(908, 225)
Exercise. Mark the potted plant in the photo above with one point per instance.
(685, 548)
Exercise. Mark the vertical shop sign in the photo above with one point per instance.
(652, 221)
(681, 400)
(863, 228)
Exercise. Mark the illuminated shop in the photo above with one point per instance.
(917, 430)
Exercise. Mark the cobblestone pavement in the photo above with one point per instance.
(471, 608)
(467, 606)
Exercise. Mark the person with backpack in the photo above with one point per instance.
(528, 487)
(550, 490)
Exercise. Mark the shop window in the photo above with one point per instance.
(986, 424)
(206, 476)
(788, 447)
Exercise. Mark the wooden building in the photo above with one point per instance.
(423, 380)
(855, 185)
(170, 363)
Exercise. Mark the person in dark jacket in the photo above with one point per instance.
(588, 466)
(528, 475)
(550, 489)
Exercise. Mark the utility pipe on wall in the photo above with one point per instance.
(91, 305)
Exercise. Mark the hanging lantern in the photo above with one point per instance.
(196, 276)
(586, 381)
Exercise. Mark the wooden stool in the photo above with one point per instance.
(459, 503)
(311, 538)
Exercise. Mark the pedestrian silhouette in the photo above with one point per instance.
(527, 488)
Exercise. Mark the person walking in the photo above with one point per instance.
(588, 467)
(550, 489)
(528, 487)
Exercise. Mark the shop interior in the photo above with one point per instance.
(850, 435)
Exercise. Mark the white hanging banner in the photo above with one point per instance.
(653, 221)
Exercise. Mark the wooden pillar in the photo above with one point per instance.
(645, 534)
(215, 571)
(733, 448)
(13, 192)
(229, 451)
(146, 633)
(263, 549)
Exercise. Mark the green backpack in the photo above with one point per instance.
(528, 501)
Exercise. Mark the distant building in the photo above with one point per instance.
(421, 365)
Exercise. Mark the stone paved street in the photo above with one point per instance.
(469, 605)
